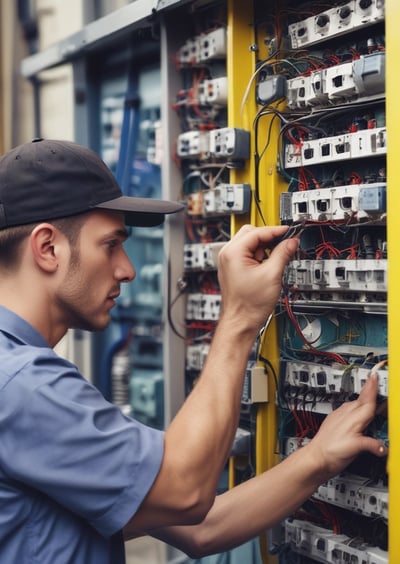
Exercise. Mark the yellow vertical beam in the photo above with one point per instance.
(241, 61)
(393, 234)
(270, 187)
(240, 64)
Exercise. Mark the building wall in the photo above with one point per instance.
(57, 20)
(20, 119)
(16, 109)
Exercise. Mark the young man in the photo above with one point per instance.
(75, 474)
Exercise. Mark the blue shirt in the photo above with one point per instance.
(73, 468)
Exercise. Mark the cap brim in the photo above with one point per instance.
(142, 212)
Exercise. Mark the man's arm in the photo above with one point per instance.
(261, 502)
(199, 439)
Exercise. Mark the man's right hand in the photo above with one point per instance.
(250, 282)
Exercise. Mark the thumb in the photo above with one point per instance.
(283, 252)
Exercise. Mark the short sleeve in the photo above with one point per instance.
(61, 437)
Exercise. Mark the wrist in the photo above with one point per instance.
(238, 329)
(316, 470)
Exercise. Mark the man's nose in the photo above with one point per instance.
(125, 271)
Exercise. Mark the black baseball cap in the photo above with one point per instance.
(50, 179)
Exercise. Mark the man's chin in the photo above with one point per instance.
(94, 326)
(101, 326)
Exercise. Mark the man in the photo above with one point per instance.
(75, 474)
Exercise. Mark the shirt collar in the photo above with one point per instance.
(20, 329)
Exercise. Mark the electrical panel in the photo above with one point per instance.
(323, 79)
(315, 160)
(207, 151)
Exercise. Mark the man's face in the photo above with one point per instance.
(97, 267)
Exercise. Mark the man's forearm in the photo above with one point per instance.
(210, 414)
(249, 509)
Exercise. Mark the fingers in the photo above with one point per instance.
(285, 250)
(369, 444)
(259, 237)
(369, 390)
(365, 405)
(256, 240)
(368, 395)
(346, 427)
(367, 402)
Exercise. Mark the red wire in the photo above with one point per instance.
(327, 354)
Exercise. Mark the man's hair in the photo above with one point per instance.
(11, 239)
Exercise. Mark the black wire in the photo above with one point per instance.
(171, 303)
(258, 156)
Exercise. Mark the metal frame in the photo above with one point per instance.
(139, 13)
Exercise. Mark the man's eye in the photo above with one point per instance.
(112, 244)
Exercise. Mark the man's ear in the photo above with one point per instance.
(45, 241)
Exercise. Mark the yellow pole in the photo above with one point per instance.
(242, 109)
(240, 62)
(393, 236)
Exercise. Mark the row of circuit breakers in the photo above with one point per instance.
(323, 81)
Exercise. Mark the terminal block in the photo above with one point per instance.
(199, 256)
(214, 92)
(230, 143)
(356, 494)
(353, 202)
(324, 545)
(189, 53)
(202, 48)
(342, 19)
(212, 45)
(358, 275)
(203, 307)
(332, 379)
(294, 443)
(226, 143)
(361, 144)
(226, 199)
(354, 80)
(193, 145)
(196, 356)
(359, 284)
